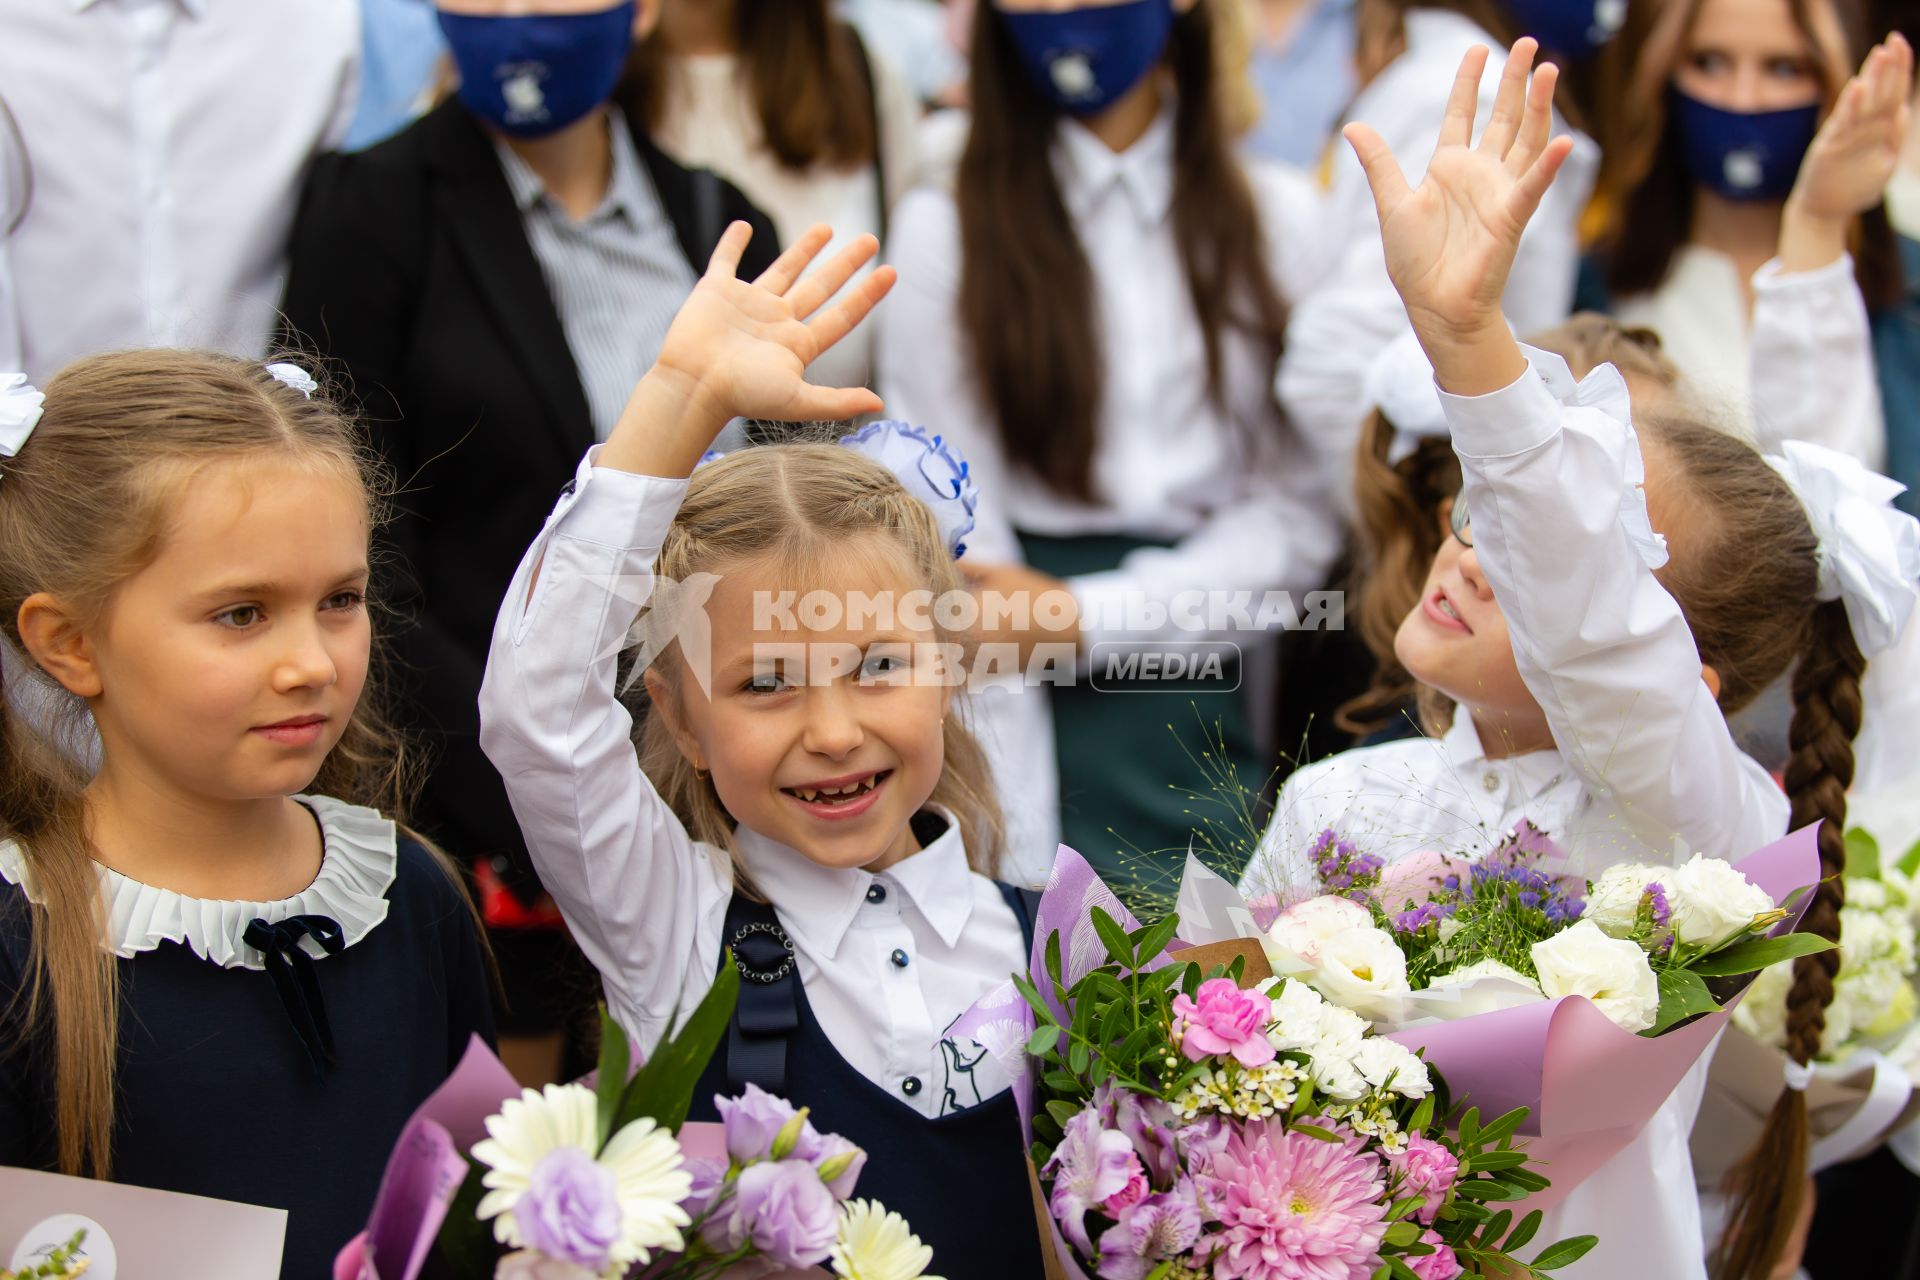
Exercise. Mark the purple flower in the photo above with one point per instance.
(754, 1119)
(1222, 1019)
(1148, 1123)
(1090, 1164)
(570, 1209)
(1158, 1227)
(709, 1176)
(1288, 1206)
(830, 1149)
(1656, 896)
(784, 1211)
(1201, 1141)
(1426, 1169)
(1438, 1265)
(1129, 1195)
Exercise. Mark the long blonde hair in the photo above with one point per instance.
(798, 505)
(83, 507)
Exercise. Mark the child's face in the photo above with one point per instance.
(229, 666)
(793, 711)
(1456, 641)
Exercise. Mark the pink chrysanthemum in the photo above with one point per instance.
(1293, 1207)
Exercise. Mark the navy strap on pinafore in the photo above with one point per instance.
(960, 1180)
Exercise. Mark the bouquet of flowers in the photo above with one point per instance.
(1193, 1116)
(1642, 942)
(63, 1262)
(601, 1181)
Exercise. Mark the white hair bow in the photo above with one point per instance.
(20, 407)
(1869, 550)
(1399, 383)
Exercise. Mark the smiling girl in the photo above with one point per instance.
(807, 798)
(183, 569)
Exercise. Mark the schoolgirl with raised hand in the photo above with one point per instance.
(805, 793)
(1591, 660)
(222, 972)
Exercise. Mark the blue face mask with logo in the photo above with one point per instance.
(534, 74)
(1086, 59)
(1743, 155)
(1573, 29)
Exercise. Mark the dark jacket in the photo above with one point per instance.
(413, 283)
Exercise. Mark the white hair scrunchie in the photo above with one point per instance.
(1399, 383)
(20, 409)
(294, 376)
(1869, 556)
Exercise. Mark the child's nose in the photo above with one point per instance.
(832, 727)
(1469, 565)
(306, 663)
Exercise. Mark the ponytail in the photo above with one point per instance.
(1768, 1184)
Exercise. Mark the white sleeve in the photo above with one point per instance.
(1550, 472)
(643, 900)
(1813, 377)
(1353, 311)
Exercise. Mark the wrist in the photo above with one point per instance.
(669, 422)
(1475, 363)
(1810, 239)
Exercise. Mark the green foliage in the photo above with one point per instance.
(663, 1088)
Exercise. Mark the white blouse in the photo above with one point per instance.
(712, 122)
(645, 901)
(1801, 369)
(1340, 327)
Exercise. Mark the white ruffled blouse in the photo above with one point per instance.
(357, 869)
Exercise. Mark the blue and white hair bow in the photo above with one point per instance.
(926, 466)
(20, 408)
(1869, 550)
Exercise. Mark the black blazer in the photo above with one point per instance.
(413, 283)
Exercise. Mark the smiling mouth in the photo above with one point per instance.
(844, 794)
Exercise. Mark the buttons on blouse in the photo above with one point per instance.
(876, 892)
(899, 958)
(910, 1086)
(1491, 782)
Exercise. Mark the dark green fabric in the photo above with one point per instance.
(1134, 783)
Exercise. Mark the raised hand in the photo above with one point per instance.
(741, 350)
(1451, 241)
(1852, 158)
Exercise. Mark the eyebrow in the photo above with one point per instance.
(237, 590)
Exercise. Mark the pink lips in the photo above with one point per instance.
(301, 731)
(1431, 607)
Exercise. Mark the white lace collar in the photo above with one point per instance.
(356, 870)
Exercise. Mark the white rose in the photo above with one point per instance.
(1711, 900)
(1484, 969)
(1615, 898)
(1762, 1013)
(525, 1264)
(1358, 969)
(1335, 1076)
(1304, 926)
(1297, 1011)
(1381, 1061)
(1611, 972)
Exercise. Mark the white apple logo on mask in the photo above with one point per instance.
(1072, 75)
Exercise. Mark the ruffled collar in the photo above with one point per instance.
(357, 867)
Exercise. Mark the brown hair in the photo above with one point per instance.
(1399, 508)
(805, 72)
(1380, 27)
(1645, 196)
(802, 506)
(83, 507)
(1026, 290)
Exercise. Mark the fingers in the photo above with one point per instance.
(1509, 99)
(1388, 184)
(830, 404)
(1536, 127)
(1457, 127)
(1533, 184)
(725, 262)
(810, 293)
(837, 321)
(786, 268)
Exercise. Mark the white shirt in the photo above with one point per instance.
(644, 900)
(1339, 328)
(15, 185)
(1232, 491)
(1801, 369)
(168, 139)
(712, 122)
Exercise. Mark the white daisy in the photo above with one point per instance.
(649, 1173)
(876, 1244)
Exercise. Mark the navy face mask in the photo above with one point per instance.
(1743, 155)
(534, 74)
(1574, 29)
(1086, 59)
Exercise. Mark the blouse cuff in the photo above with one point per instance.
(1773, 278)
(616, 508)
(1521, 416)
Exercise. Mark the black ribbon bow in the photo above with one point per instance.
(291, 969)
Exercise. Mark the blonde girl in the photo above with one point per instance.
(197, 899)
(805, 794)
(1592, 660)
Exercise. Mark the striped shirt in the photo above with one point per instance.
(617, 276)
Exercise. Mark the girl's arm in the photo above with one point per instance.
(1812, 374)
(643, 900)
(1547, 467)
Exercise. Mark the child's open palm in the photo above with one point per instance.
(1451, 241)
